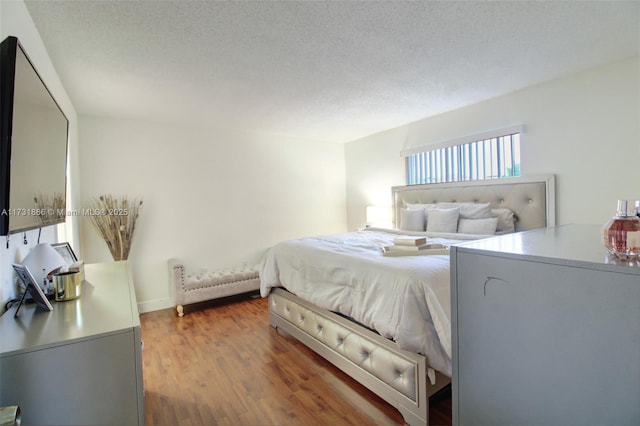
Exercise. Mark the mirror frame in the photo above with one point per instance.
(9, 49)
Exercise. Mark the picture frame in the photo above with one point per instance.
(65, 250)
(32, 288)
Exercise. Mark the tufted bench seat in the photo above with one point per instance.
(207, 285)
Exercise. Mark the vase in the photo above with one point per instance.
(621, 234)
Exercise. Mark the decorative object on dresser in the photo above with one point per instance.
(207, 285)
(546, 321)
(67, 253)
(115, 221)
(72, 263)
(32, 288)
(67, 285)
(621, 234)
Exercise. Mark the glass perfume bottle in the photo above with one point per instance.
(621, 234)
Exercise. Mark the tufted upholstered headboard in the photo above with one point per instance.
(532, 199)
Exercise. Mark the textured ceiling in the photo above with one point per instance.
(333, 71)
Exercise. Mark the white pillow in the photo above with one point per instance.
(485, 226)
(469, 210)
(419, 206)
(412, 219)
(506, 220)
(442, 220)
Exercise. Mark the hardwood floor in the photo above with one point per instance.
(222, 364)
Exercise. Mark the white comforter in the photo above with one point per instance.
(404, 298)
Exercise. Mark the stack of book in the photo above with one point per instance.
(411, 246)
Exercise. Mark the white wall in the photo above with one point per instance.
(16, 21)
(584, 128)
(214, 198)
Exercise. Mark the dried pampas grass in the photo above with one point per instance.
(115, 220)
(51, 207)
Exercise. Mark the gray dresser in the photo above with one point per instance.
(545, 331)
(80, 364)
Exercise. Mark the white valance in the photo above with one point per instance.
(413, 145)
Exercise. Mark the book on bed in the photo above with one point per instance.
(409, 241)
(425, 249)
(399, 247)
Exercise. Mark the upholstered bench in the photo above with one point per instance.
(207, 285)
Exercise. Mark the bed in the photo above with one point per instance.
(385, 320)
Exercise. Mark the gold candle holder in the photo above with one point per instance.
(67, 285)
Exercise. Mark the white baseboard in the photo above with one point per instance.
(154, 305)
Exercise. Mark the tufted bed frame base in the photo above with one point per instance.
(402, 378)
(388, 371)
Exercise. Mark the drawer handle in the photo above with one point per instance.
(489, 279)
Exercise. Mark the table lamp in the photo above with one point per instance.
(41, 261)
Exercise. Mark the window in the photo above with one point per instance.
(495, 157)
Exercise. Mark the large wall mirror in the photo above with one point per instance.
(34, 146)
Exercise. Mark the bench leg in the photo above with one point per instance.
(180, 310)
